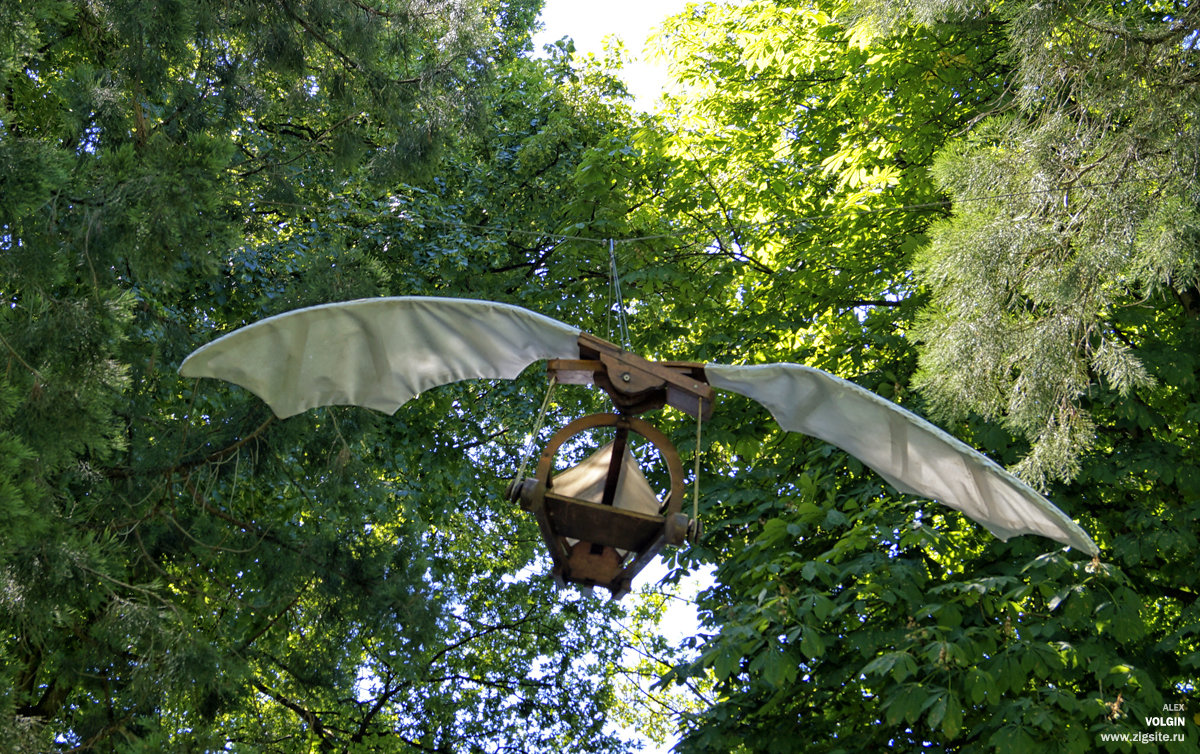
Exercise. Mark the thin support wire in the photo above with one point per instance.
(780, 224)
(618, 300)
(696, 473)
(537, 427)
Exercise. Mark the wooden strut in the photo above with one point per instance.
(636, 385)
(614, 544)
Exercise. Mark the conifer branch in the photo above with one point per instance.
(275, 618)
(479, 634)
(317, 35)
(519, 683)
(377, 707)
(1177, 30)
(308, 716)
(187, 466)
(22, 361)
(372, 11)
(51, 700)
(207, 506)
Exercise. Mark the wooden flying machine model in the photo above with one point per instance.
(601, 520)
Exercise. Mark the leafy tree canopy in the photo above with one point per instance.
(182, 572)
(1002, 196)
(984, 211)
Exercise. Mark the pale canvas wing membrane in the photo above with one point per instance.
(913, 455)
(586, 481)
(381, 352)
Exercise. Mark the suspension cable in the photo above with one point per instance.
(537, 427)
(696, 473)
(617, 299)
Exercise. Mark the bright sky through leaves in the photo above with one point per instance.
(633, 21)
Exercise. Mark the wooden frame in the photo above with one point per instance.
(634, 384)
(612, 545)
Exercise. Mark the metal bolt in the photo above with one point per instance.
(625, 377)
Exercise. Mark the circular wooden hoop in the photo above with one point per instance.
(633, 424)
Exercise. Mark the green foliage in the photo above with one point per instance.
(814, 144)
(181, 572)
(1076, 205)
(1011, 186)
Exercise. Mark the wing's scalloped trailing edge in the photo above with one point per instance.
(379, 353)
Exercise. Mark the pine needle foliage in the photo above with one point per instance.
(179, 571)
(1075, 201)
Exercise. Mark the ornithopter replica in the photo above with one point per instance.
(601, 520)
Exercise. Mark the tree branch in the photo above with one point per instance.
(317, 35)
(189, 465)
(308, 716)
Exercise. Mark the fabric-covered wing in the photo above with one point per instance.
(913, 455)
(380, 352)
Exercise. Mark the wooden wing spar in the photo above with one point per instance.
(379, 353)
